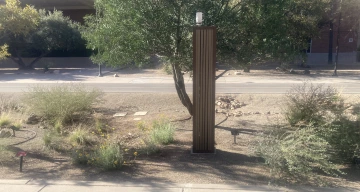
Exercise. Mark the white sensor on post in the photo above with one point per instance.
(199, 18)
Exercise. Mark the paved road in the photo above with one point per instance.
(256, 88)
(11, 81)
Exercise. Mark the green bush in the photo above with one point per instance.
(312, 103)
(79, 136)
(151, 146)
(8, 104)
(296, 155)
(53, 140)
(61, 103)
(80, 157)
(344, 137)
(4, 120)
(162, 132)
(108, 156)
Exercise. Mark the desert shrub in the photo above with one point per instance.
(296, 155)
(4, 120)
(150, 146)
(62, 103)
(108, 156)
(312, 103)
(162, 132)
(100, 126)
(8, 104)
(58, 126)
(5, 153)
(80, 157)
(344, 137)
(53, 140)
(15, 127)
(79, 136)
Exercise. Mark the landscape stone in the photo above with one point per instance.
(237, 73)
(5, 134)
(122, 114)
(137, 119)
(115, 75)
(140, 113)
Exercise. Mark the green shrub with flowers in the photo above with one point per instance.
(160, 132)
(108, 156)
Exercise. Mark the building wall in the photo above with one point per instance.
(319, 59)
(321, 44)
(54, 62)
(348, 41)
(78, 14)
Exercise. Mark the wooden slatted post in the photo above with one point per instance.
(204, 62)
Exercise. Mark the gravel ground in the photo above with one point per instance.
(231, 164)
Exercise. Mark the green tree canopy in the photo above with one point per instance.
(53, 32)
(127, 31)
(16, 20)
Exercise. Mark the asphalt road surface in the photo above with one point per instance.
(254, 88)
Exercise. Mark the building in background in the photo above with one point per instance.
(319, 47)
(75, 9)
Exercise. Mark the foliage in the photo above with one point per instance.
(343, 135)
(53, 140)
(296, 155)
(313, 103)
(55, 32)
(58, 126)
(16, 21)
(129, 31)
(150, 146)
(61, 103)
(162, 132)
(324, 108)
(3, 51)
(8, 104)
(109, 156)
(319, 133)
(79, 136)
(47, 31)
(4, 120)
(81, 157)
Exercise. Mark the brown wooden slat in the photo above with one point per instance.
(204, 48)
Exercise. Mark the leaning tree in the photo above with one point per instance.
(129, 31)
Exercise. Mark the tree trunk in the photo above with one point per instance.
(331, 39)
(180, 88)
(247, 69)
(177, 75)
(337, 43)
(31, 65)
(331, 33)
(22, 65)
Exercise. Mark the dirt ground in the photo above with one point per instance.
(232, 163)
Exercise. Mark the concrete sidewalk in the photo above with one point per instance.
(86, 186)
